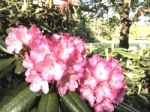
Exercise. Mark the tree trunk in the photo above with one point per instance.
(125, 24)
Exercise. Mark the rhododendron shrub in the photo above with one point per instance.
(61, 60)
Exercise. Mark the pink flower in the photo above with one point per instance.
(15, 40)
(94, 60)
(89, 80)
(50, 69)
(103, 91)
(103, 84)
(101, 71)
(40, 50)
(115, 82)
(105, 106)
(87, 94)
(31, 75)
(27, 62)
(37, 37)
(37, 83)
(67, 83)
(99, 67)
(20, 37)
(72, 53)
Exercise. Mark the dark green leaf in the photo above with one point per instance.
(20, 102)
(73, 102)
(12, 92)
(70, 104)
(7, 71)
(82, 105)
(123, 107)
(49, 102)
(4, 63)
(63, 107)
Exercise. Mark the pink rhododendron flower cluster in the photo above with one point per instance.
(103, 84)
(61, 60)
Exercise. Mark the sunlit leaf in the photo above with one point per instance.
(20, 102)
(82, 105)
(74, 103)
(126, 54)
(49, 102)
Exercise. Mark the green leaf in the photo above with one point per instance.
(2, 42)
(63, 107)
(124, 107)
(19, 67)
(69, 103)
(81, 104)
(4, 63)
(12, 92)
(126, 53)
(7, 71)
(135, 103)
(49, 102)
(73, 102)
(20, 102)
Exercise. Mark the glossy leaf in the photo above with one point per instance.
(123, 107)
(63, 107)
(135, 103)
(70, 104)
(12, 92)
(82, 105)
(49, 102)
(20, 102)
(74, 105)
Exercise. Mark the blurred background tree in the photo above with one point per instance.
(125, 12)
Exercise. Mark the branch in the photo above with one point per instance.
(140, 11)
(9, 7)
(6, 8)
